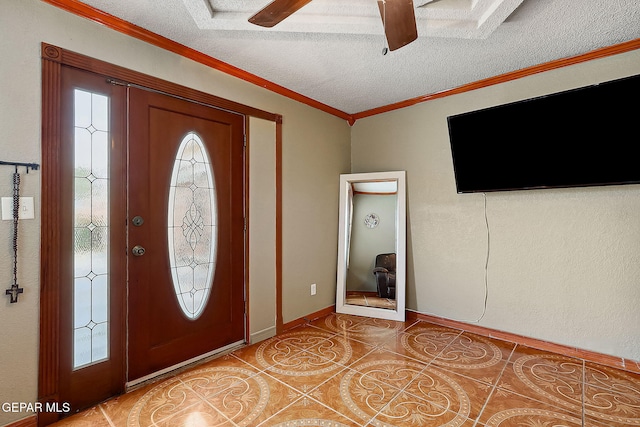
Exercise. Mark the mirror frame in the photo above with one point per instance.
(346, 181)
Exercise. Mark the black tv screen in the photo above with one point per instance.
(583, 137)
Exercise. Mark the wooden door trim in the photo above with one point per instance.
(48, 371)
(279, 318)
(53, 58)
(87, 63)
(247, 235)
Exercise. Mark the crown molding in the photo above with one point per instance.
(122, 26)
(85, 11)
(502, 78)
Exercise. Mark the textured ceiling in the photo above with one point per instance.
(332, 51)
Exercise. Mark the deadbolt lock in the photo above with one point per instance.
(137, 221)
(138, 250)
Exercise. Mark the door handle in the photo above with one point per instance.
(138, 250)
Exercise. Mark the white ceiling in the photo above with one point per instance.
(331, 50)
(375, 187)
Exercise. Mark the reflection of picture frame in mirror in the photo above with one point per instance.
(372, 231)
(371, 220)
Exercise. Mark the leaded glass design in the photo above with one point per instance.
(91, 229)
(192, 231)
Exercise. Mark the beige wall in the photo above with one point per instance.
(262, 217)
(564, 264)
(315, 151)
(310, 220)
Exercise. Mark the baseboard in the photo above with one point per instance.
(262, 335)
(308, 318)
(587, 355)
(31, 421)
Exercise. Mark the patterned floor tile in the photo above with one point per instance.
(425, 341)
(163, 402)
(250, 402)
(306, 370)
(211, 380)
(611, 396)
(277, 350)
(338, 323)
(88, 418)
(374, 331)
(408, 410)
(389, 368)
(507, 409)
(351, 371)
(355, 394)
(480, 358)
(546, 377)
(385, 324)
(306, 412)
(118, 408)
(197, 415)
(446, 390)
(340, 350)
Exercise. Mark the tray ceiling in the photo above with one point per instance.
(466, 19)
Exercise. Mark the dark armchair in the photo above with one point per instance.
(385, 272)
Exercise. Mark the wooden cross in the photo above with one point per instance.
(13, 292)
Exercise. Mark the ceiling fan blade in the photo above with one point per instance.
(399, 22)
(276, 11)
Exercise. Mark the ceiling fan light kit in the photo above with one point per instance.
(398, 19)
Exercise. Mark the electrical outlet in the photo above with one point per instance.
(313, 289)
(26, 209)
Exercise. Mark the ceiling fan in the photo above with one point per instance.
(398, 18)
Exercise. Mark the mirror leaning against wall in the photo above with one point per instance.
(372, 245)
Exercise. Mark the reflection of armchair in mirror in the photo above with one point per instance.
(371, 251)
(385, 273)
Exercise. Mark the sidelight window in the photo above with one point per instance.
(91, 228)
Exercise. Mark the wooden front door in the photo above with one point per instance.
(110, 315)
(185, 231)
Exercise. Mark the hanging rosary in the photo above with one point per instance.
(15, 289)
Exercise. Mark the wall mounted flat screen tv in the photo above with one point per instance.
(584, 137)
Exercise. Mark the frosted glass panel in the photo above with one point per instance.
(191, 227)
(91, 229)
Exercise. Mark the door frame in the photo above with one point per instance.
(53, 59)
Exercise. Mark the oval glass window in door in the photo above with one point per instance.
(192, 228)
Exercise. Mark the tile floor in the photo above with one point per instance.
(352, 371)
(369, 299)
